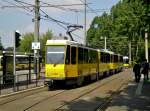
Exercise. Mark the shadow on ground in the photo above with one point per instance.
(125, 100)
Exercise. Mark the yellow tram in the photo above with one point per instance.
(126, 61)
(73, 63)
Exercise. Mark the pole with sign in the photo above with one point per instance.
(36, 47)
(16, 44)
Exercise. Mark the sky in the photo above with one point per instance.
(13, 18)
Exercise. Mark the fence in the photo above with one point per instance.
(20, 82)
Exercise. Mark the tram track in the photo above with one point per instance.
(82, 95)
(44, 100)
(74, 99)
(104, 103)
(22, 97)
(56, 100)
(107, 101)
(19, 95)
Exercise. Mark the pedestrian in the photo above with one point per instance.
(136, 70)
(145, 66)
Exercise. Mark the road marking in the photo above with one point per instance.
(139, 88)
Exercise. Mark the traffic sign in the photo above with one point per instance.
(35, 45)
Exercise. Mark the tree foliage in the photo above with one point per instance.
(28, 38)
(26, 43)
(43, 38)
(127, 19)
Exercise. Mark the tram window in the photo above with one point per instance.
(55, 55)
(102, 57)
(94, 56)
(121, 60)
(67, 61)
(115, 58)
(90, 56)
(80, 55)
(108, 58)
(112, 58)
(85, 56)
(73, 55)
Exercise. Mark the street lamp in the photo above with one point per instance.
(105, 42)
(146, 45)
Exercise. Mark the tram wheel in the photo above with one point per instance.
(97, 76)
(80, 81)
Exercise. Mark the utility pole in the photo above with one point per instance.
(146, 45)
(85, 23)
(36, 35)
(129, 52)
(105, 43)
(14, 59)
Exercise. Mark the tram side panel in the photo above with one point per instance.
(87, 64)
(71, 65)
(103, 65)
(93, 61)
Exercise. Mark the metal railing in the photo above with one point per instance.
(14, 83)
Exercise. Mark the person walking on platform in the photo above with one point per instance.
(136, 70)
(145, 66)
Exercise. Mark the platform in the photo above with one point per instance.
(135, 97)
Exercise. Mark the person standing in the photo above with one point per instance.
(145, 67)
(136, 70)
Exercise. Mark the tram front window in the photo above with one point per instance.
(55, 55)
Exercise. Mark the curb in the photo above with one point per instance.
(20, 94)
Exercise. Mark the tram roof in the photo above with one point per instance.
(67, 42)
(61, 42)
(110, 52)
(125, 57)
(107, 51)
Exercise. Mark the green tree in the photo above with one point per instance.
(43, 38)
(26, 43)
(128, 18)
